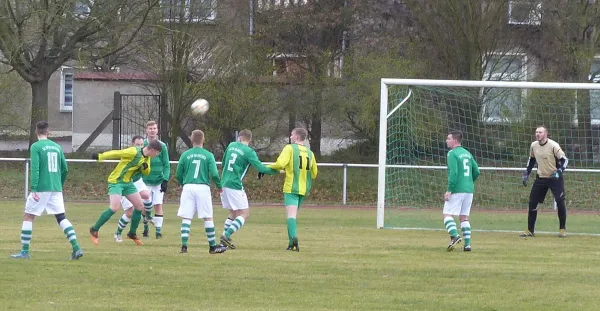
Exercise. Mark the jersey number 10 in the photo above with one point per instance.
(52, 162)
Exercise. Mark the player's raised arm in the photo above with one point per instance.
(125, 154)
(313, 167)
(34, 156)
(214, 172)
(257, 164)
(284, 158)
(452, 172)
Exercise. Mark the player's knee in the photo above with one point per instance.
(60, 217)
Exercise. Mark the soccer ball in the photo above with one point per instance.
(199, 107)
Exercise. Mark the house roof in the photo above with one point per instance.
(115, 76)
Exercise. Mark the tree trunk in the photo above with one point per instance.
(315, 128)
(39, 106)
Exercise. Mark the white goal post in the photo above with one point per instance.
(398, 94)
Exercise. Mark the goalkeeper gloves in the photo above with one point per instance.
(94, 156)
(260, 175)
(163, 186)
(525, 177)
(557, 174)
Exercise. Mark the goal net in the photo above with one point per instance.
(498, 120)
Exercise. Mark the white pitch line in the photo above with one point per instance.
(496, 231)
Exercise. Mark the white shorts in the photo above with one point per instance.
(459, 204)
(155, 195)
(234, 199)
(195, 198)
(140, 186)
(51, 202)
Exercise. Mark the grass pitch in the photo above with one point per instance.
(344, 263)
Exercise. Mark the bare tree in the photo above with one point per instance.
(37, 37)
(570, 42)
(197, 57)
(309, 39)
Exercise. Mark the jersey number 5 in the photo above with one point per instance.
(52, 162)
(467, 167)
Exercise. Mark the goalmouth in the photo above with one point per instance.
(498, 119)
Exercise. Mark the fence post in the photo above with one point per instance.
(116, 132)
(344, 182)
(26, 178)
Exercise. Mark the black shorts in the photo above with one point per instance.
(540, 189)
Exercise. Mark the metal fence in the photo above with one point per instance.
(343, 166)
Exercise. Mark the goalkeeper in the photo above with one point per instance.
(551, 162)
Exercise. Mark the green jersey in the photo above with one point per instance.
(161, 169)
(462, 171)
(237, 159)
(48, 166)
(197, 166)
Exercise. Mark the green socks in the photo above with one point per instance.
(291, 226)
(186, 224)
(136, 217)
(451, 226)
(104, 217)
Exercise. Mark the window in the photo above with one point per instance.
(66, 89)
(524, 12)
(504, 104)
(595, 94)
(193, 11)
(272, 4)
(82, 8)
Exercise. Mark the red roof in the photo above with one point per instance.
(116, 76)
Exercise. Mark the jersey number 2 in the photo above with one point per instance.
(467, 167)
(52, 162)
(231, 162)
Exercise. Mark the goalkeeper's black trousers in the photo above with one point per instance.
(538, 194)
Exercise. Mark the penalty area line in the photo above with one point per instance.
(493, 231)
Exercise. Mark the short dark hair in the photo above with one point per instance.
(42, 127)
(301, 133)
(156, 145)
(136, 137)
(542, 126)
(457, 135)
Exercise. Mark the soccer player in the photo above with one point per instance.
(551, 162)
(297, 161)
(156, 181)
(120, 184)
(236, 160)
(137, 141)
(462, 174)
(195, 169)
(48, 174)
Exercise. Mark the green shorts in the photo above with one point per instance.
(122, 189)
(290, 199)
